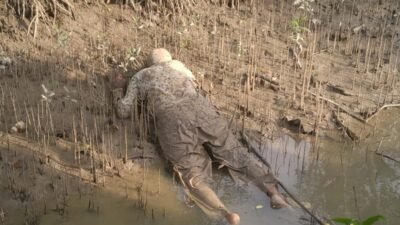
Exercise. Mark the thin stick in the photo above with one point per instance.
(341, 108)
(15, 109)
(356, 202)
(247, 143)
(380, 109)
(126, 146)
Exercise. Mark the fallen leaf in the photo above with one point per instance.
(259, 206)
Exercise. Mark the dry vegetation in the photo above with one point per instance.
(265, 64)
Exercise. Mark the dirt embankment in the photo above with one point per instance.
(276, 63)
(267, 65)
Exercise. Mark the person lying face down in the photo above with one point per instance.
(186, 122)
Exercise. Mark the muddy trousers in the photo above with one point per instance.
(194, 168)
(184, 130)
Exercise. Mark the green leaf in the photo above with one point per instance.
(344, 220)
(373, 219)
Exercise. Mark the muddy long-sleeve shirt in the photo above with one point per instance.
(163, 86)
(180, 111)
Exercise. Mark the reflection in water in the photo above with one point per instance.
(121, 202)
(344, 174)
(347, 175)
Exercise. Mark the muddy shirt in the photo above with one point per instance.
(178, 108)
(163, 86)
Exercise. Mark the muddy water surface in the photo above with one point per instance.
(347, 180)
(351, 180)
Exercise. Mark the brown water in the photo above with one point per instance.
(343, 175)
(347, 173)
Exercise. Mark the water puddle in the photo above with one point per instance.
(346, 180)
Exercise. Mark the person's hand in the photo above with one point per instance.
(118, 81)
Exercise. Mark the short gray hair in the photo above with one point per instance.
(159, 55)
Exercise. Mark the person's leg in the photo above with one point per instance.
(195, 179)
(240, 161)
(193, 166)
(206, 199)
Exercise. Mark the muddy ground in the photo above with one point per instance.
(245, 58)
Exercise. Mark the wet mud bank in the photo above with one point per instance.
(291, 77)
(143, 190)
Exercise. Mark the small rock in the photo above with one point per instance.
(13, 130)
(128, 165)
(5, 61)
(307, 205)
(296, 125)
(21, 127)
(359, 28)
(316, 21)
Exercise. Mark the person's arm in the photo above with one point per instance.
(123, 104)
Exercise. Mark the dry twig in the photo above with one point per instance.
(40, 11)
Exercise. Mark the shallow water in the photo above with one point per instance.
(351, 180)
(346, 174)
(347, 180)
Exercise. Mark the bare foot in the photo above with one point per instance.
(233, 218)
(278, 201)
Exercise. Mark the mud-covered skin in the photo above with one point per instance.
(185, 122)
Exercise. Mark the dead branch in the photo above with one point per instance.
(340, 90)
(40, 11)
(387, 156)
(25, 145)
(247, 143)
(268, 79)
(347, 111)
(380, 109)
(348, 131)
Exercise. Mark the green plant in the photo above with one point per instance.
(297, 25)
(350, 221)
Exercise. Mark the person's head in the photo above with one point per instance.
(159, 55)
